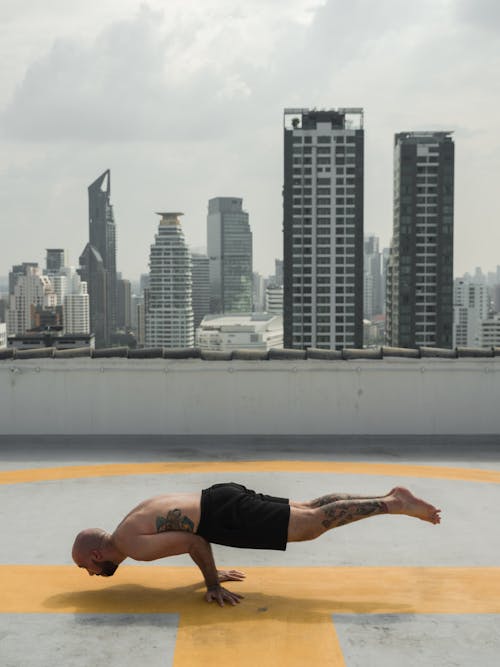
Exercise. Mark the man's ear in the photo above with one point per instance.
(96, 555)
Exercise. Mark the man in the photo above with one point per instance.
(232, 515)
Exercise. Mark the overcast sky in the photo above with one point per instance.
(183, 101)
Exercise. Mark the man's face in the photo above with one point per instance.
(103, 568)
(108, 568)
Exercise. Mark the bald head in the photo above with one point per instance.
(86, 541)
(93, 550)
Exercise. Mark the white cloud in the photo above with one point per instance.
(183, 101)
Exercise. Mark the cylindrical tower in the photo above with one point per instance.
(169, 313)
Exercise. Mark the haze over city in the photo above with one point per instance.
(184, 101)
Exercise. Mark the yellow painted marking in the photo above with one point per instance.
(285, 618)
(304, 467)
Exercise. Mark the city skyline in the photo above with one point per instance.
(388, 67)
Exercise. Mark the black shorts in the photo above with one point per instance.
(235, 516)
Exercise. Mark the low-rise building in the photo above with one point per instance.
(38, 339)
(224, 333)
(470, 308)
(490, 332)
(274, 300)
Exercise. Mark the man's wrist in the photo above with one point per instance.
(213, 587)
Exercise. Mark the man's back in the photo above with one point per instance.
(179, 511)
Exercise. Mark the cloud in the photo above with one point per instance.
(158, 76)
(483, 14)
(184, 102)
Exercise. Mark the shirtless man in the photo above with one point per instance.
(231, 515)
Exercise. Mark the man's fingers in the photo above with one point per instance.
(222, 596)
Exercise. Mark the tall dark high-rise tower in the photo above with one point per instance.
(420, 268)
(229, 247)
(323, 228)
(102, 238)
(93, 272)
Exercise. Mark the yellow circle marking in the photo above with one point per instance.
(183, 468)
(209, 636)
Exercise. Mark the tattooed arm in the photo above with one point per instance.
(201, 553)
(176, 542)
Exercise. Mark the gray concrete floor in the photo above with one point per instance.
(38, 521)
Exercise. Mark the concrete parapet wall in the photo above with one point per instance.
(282, 396)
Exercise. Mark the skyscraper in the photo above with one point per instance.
(201, 288)
(372, 285)
(168, 307)
(102, 240)
(76, 313)
(470, 308)
(55, 261)
(229, 247)
(19, 270)
(323, 228)
(420, 270)
(72, 297)
(32, 294)
(92, 272)
(123, 304)
(278, 272)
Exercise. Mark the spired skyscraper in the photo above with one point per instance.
(323, 228)
(168, 307)
(229, 248)
(419, 307)
(98, 260)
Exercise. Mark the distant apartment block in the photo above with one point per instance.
(496, 298)
(55, 261)
(372, 278)
(470, 308)
(278, 272)
(229, 248)
(141, 322)
(274, 300)
(32, 294)
(420, 269)
(323, 228)
(385, 260)
(3, 335)
(225, 333)
(259, 292)
(201, 287)
(123, 304)
(490, 332)
(19, 270)
(72, 298)
(168, 306)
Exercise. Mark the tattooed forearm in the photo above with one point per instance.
(175, 520)
(343, 512)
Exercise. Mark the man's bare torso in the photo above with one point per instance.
(179, 511)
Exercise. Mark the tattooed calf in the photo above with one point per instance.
(342, 513)
(175, 520)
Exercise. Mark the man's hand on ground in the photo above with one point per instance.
(221, 595)
(230, 575)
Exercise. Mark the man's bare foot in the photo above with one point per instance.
(401, 501)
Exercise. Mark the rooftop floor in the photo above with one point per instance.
(377, 592)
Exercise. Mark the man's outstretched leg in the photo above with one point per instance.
(310, 520)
